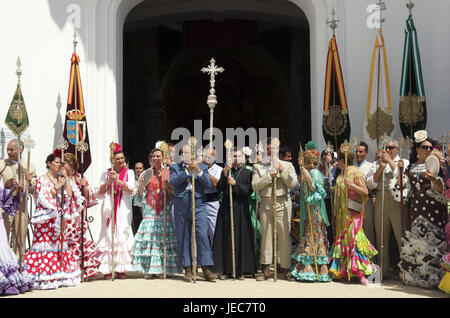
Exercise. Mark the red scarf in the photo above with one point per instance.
(123, 176)
(154, 199)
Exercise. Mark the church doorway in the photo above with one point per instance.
(266, 82)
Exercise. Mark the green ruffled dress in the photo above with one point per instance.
(304, 268)
(254, 197)
(148, 249)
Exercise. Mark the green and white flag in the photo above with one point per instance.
(17, 117)
(412, 110)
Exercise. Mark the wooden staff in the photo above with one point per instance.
(310, 219)
(228, 146)
(19, 177)
(112, 147)
(62, 145)
(29, 144)
(401, 144)
(82, 148)
(383, 141)
(165, 150)
(345, 148)
(274, 149)
(62, 228)
(193, 142)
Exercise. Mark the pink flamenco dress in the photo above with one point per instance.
(73, 231)
(44, 256)
(351, 253)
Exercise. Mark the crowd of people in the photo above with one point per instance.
(328, 216)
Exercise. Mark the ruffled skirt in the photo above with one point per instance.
(73, 237)
(123, 243)
(421, 253)
(44, 260)
(148, 250)
(304, 269)
(351, 253)
(11, 281)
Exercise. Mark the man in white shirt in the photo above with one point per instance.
(364, 166)
(211, 194)
(390, 215)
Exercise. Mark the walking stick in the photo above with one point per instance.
(274, 149)
(401, 144)
(112, 147)
(345, 148)
(165, 150)
(62, 228)
(29, 144)
(62, 145)
(193, 142)
(82, 148)
(228, 146)
(19, 177)
(309, 215)
(383, 141)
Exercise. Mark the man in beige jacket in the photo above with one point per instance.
(262, 176)
(9, 173)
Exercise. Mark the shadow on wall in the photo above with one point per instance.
(74, 14)
(58, 125)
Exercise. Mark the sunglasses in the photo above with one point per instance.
(430, 148)
(391, 147)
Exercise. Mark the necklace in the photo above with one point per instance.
(53, 190)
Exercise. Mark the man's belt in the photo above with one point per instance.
(209, 197)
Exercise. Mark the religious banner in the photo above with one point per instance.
(335, 124)
(75, 125)
(412, 110)
(17, 117)
(378, 119)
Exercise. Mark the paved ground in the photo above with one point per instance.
(137, 287)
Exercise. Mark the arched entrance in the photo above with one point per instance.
(266, 82)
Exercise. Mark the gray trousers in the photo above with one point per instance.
(283, 224)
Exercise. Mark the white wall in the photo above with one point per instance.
(40, 31)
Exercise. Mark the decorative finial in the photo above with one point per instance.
(29, 142)
(212, 70)
(329, 149)
(18, 71)
(345, 147)
(333, 22)
(382, 7)
(410, 5)
(354, 142)
(62, 145)
(74, 40)
(82, 147)
(383, 141)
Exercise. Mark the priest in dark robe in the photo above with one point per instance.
(245, 261)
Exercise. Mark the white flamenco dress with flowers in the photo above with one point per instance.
(44, 256)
